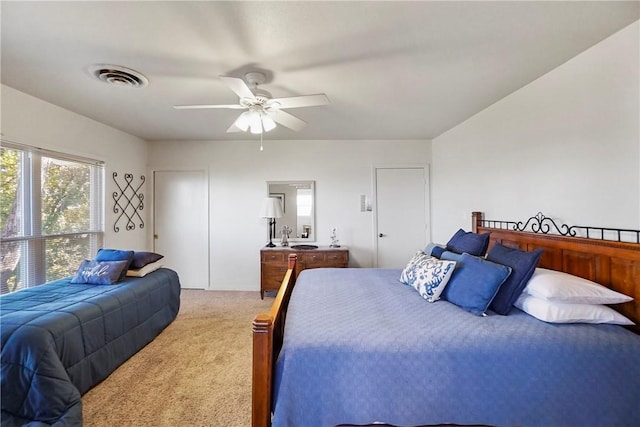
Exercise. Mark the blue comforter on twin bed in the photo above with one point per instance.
(360, 347)
(59, 340)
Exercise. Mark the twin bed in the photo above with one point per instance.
(358, 347)
(60, 339)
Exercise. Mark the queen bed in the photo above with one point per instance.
(359, 347)
(61, 338)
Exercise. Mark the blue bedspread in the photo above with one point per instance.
(59, 340)
(360, 347)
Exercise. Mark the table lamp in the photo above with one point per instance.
(271, 209)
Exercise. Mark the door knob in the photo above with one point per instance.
(380, 235)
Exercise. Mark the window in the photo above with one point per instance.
(304, 202)
(51, 215)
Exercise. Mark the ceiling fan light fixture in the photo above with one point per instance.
(255, 121)
(268, 123)
(243, 122)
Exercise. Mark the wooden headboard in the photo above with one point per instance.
(614, 264)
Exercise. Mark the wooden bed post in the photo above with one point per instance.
(268, 331)
(262, 363)
(476, 221)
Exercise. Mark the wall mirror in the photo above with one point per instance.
(299, 206)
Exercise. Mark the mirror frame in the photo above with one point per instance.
(312, 185)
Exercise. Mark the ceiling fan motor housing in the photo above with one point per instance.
(255, 78)
(261, 96)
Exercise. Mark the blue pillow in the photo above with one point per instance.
(434, 249)
(438, 251)
(474, 283)
(522, 264)
(99, 272)
(140, 259)
(451, 256)
(116, 255)
(471, 243)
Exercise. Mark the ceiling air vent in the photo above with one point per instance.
(118, 76)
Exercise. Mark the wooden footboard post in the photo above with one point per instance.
(262, 363)
(268, 330)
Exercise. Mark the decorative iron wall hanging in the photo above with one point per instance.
(128, 201)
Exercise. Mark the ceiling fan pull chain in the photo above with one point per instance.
(261, 147)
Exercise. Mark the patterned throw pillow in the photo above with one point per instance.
(93, 272)
(427, 275)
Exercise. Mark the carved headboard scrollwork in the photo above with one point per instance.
(540, 223)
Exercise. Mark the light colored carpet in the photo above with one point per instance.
(197, 372)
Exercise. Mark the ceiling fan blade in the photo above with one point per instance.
(302, 101)
(206, 106)
(233, 128)
(287, 120)
(238, 86)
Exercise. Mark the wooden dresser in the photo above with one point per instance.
(274, 261)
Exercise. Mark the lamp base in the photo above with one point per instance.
(272, 233)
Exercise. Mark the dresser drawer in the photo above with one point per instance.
(312, 259)
(325, 259)
(337, 259)
(275, 257)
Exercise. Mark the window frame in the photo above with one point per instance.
(33, 258)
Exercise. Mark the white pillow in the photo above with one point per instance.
(556, 286)
(556, 312)
(427, 275)
(141, 272)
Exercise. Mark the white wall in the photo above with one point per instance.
(567, 144)
(238, 170)
(30, 121)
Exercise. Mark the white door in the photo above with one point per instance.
(402, 197)
(181, 224)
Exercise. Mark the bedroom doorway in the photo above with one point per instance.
(181, 224)
(401, 214)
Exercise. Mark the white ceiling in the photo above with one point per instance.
(393, 70)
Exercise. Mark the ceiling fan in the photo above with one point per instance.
(263, 111)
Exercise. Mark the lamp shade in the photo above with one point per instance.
(271, 208)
